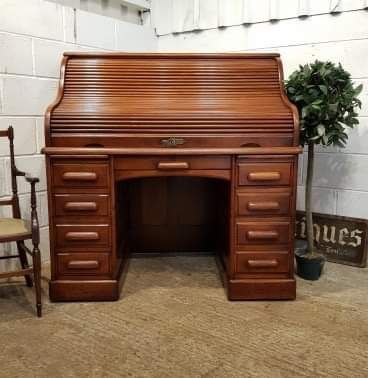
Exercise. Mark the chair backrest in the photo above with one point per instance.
(9, 133)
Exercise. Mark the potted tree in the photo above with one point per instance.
(327, 102)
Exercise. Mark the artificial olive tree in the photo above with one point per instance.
(327, 102)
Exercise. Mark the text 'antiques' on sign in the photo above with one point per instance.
(340, 239)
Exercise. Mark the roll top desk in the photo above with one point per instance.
(171, 152)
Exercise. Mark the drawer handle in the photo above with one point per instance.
(262, 206)
(79, 176)
(75, 236)
(262, 235)
(264, 176)
(172, 165)
(80, 206)
(263, 263)
(77, 264)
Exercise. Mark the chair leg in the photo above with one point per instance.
(37, 278)
(24, 262)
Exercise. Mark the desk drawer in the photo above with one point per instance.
(263, 203)
(264, 173)
(81, 204)
(81, 175)
(251, 233)
(264, 262)
(83, 236)
(173, 163)
(83, 263)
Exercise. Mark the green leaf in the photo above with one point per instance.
(333, 107)
(321, 130)
(358, 89)
(323, 89)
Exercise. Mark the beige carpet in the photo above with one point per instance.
(174, 321)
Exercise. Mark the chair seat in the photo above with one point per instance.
(14, 229)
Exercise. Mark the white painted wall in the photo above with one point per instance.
(341, 179)
(33, 36)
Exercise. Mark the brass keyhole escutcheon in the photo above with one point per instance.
(172, 142)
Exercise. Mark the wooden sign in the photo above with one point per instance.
(342, 240)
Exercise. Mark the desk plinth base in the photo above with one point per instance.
(256, 289)
(261, 289)
(109, 290)
(65, 291)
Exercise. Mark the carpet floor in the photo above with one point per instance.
(174, 321)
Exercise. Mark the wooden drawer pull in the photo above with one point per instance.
(79, 176)
(263, 263)
(81, 264)
(172, 165)
(264, 176)
(262, 206)
(262, 235)
(80, 206)
(82, 235)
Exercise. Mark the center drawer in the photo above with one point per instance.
(83, 236)
(166, 163)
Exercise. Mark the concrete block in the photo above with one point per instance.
(95, 30)
(48, 56)
(40, 134)
(32, 17)
(353, 55)
(352, 203)
(130, 37)
(69, 16)
(341, 171)
(24, 136)
(358, 138)
(323, 200)
(212, 40)
(27, 96)
(15, 54)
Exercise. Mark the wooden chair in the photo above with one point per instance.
(18, 230)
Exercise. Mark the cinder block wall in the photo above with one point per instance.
(33, 36)
(301, 31)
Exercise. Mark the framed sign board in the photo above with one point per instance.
(341, 239)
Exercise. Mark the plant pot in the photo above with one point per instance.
(307, 267)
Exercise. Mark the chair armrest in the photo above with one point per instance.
(31, 179)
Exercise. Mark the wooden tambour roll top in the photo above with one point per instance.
(199, 100)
